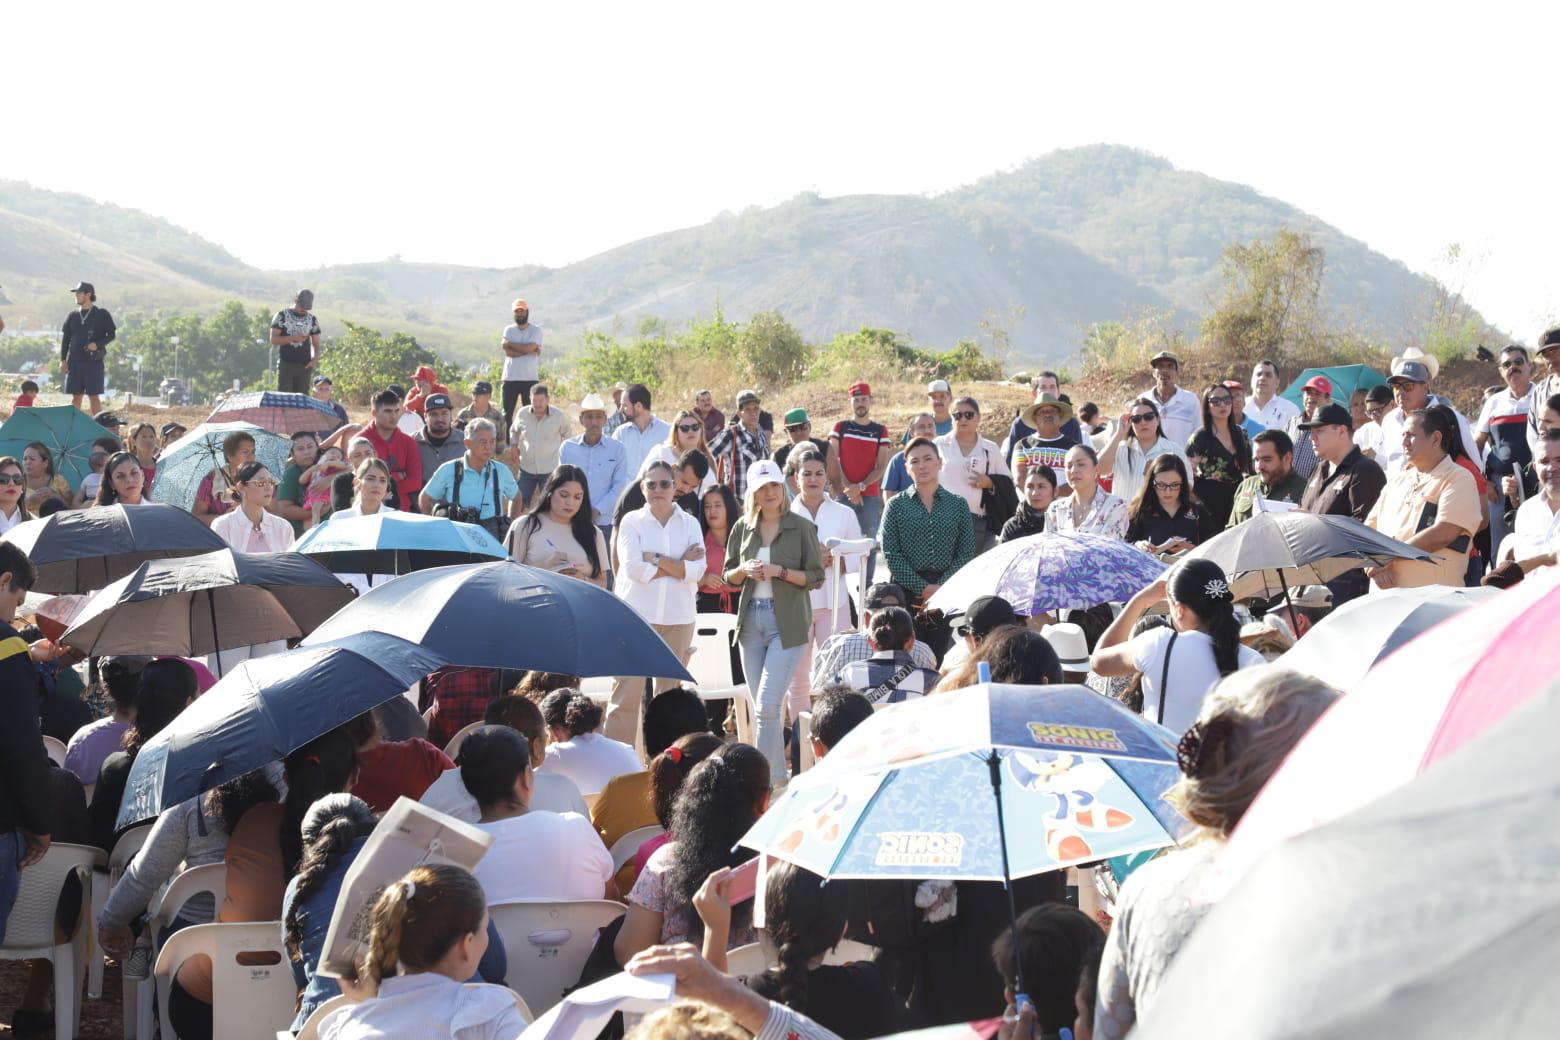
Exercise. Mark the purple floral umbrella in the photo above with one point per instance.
(1049, 572)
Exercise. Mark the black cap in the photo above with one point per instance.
(1550, 339)
(85, 287)
(433, 401)
(481, 386)
(108, 420)
(169, 427)
(1330, 415)
(886, 594)
(318, 380)
(985, 614)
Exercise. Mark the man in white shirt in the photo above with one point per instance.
(1410, 384)
(1501, 432)
(1367, 436)
(641, 430)
(522, 347)
(1548, 351)
(968, 462)
(1536, 532)
(1265, 405)
(1180, 410)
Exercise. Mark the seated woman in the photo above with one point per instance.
(166, 687)
(90, 745)
(721, 799)
(1039, 492)
(805, 919)
(535, 855)
(551, 793)
(890, 675)
(1165, 518)
(668, 771)
(427, 934)
(390, 769)
(578, 751)
(1247, 726)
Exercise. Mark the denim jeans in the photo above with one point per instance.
(10, 875)
(869, 515)
(768, 667)
(530, 484)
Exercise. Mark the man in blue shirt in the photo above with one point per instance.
(602, 459)
(476, 482)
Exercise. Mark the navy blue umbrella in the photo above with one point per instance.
(506, 615)
(265, 709)
(82, 550)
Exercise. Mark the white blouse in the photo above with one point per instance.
(833, 520)
(659, 600)
(272, 534)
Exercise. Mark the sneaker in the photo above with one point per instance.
(138, 965)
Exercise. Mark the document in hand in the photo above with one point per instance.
(588, 1009)
(1262, 504)
(409, 836)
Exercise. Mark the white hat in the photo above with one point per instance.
(593, 403)
(939, 386)
(1430, 361)
(762, 472)
(1070, 644)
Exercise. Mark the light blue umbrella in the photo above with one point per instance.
(185, 462)
(66, 431)
(393, 542)
(1047, 572)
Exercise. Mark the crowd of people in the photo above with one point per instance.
(708, 515)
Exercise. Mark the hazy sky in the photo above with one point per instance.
(303, 133)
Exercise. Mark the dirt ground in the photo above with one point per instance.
(100, 1019)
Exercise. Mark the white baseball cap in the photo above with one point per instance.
(764, 471)
(939, 386)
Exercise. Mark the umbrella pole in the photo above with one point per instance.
(1285, 586)
(994, 764)
(211, 601)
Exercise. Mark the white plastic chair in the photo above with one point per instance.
(597, 687)
(211, 880)
(252, 1000)
(747, 960)
(103, 882)
(547, 943)
(453, 747)
(709, 656)
(29, 931)
(624, 848)
(55, 748)
(804, 734)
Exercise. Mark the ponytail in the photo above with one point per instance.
(805, 917)
(1201, 586)
(417, 920)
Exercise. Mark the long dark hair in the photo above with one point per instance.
(582, 526)
(718, 803)
(333, 823)
(323, 766)
(1202, 586)
(1146, 503)
(166, 686)
(805, 918)
(230, 801)
(733, 508)
(106, 495)
(1237, 433)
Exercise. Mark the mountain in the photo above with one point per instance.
(1068, 239)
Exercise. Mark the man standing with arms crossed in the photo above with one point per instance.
(522, 346)
(295, 333)
(88, 330)
(859, 450)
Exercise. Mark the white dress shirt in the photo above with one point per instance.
(1390, 455)
(637, 443)
(832, 520)
(662, 600)
(1275, 415)
(1535, 532)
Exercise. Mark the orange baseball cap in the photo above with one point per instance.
(520, 305)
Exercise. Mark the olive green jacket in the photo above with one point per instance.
(795, 548)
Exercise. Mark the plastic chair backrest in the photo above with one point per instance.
(547, 943)
(709, 656)
(210, 879)
(311, 1025)
(453, 747)
(127, 846)
(31, 923)
(249, 1000)
(804, 734)
(624, 848)
(747, 960)
(55, 748)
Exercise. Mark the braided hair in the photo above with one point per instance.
(417, 920)
(805, 918)
(330, 827)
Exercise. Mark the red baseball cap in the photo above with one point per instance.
(860, 389)
(1321, 384)
(1234, 384)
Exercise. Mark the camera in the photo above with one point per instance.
(460, 514)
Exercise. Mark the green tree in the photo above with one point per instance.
(775, 353)
(1271, 303)
(364, 361)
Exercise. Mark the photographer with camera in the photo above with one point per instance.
(476, 489)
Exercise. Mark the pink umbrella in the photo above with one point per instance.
(272, 410)
(1415, 707)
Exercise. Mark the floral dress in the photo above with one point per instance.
(1219, 472)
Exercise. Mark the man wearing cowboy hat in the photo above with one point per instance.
(1045, 383)
(295, 333)
(1048, 445)
(1180, 410)
(88, 330)
(602, 459)
(1548, 351)
(1410, 382)
(522, 347)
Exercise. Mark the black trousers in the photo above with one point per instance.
(516, 390)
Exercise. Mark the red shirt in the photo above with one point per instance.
(23, 401)
(415, 399)
(398, 767)
(858, 445)
(401, 455)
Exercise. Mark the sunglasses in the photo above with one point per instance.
(799, 427)
(12, 478)
(690, 427)
(1512, 363)
(1143, 417)
(1161, 486)
(966, 415)
(657, 485)
(1225, 399)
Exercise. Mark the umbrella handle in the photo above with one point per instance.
(994, 765)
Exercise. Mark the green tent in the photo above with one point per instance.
(1345, 380)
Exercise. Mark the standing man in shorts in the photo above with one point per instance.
(295, 333)
(522, 346)
(89, 329)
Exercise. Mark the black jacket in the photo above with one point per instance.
(24, 766)
(1025, 522)
(98, 327)
(1350, 489)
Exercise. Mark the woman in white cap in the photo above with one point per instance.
(773, 556)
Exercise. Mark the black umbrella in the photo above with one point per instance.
(1272, 551)
(83, 550)
(202, 604)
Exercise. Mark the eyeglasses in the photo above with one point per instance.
(1223, 399)
(12, 478)
(264, 482)
(1160, 485)
(1374, 410)
(690, 427)
(966, 415)
(1512, 363)
(657, 485)
(1143, 417)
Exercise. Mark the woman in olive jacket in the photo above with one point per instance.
(774, 556)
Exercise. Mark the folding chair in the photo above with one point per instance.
(29, 931)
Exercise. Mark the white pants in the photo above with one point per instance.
(825, 623)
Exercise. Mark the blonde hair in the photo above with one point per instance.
(1248, 724)
(671, 440)
(688, 1020)
(750, 503)
(419, 919)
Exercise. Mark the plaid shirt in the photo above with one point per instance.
(848, 647)
(460, 697)
(750, 448)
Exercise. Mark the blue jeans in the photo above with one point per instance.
(530, 483)
(10, 875)
(768, 667)
(869, 515)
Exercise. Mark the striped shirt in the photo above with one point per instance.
(918, 541)
(749, 448)
(835, 655)
(880, 669)
(858, 445)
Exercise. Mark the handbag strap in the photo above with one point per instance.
(878, 693)
(1164, 676)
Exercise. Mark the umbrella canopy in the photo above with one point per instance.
(1047, 571)
(505, 615)
(1273, 552)
(1345, 380)
(1426, 914)
(393, 542)
(83, 550)
(1348, 642)
(202, 604)
(66, 431)
(272, 410)
(1429, 698)
(908, 793)
(185, 462)
(264, 710)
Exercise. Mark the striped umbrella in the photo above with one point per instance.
(281, 413)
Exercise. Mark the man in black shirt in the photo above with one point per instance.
(89, 329)
(295, 333)
(25, 813)
(1344, 483)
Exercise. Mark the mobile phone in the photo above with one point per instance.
(744, 882)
